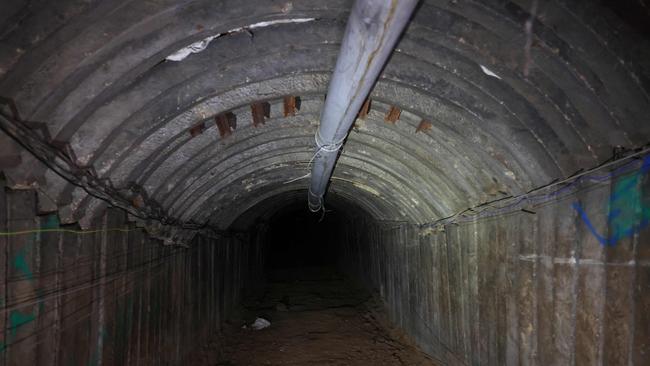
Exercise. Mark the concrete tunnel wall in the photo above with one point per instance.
(537, 283)
(112, 295)
(480, 291)
(471, 108)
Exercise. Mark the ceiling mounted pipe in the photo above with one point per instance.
(371, 33)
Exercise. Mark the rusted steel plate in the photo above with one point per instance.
(424, 126)
(226, 124)
(291, 105)
(260, 111)
(393, 114)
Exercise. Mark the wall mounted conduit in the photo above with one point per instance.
(371, 33)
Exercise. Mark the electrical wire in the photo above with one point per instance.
(129, 279)
(530, 197)
(61, 230)
(61, 162)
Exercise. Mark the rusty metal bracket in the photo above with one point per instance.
(393, 115)
(423, 126)
(365, 109)
(197, 129)
(60, 158)
(260, 110)
(226, 123)
(291, 105)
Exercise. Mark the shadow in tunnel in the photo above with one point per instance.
(315, 313)
(298, 238)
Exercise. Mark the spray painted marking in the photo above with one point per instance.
(20, 263)
(17, 320)
(625, 203)
(52, 222)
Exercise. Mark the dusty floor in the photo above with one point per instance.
(317, 318)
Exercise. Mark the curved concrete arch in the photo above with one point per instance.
(126, 114)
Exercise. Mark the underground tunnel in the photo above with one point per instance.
(434, 182)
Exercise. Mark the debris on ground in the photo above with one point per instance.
(330, 321)
(260, 323)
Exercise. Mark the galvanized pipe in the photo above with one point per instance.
(371, 33)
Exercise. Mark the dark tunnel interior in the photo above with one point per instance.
(298, 238)
(488, 201)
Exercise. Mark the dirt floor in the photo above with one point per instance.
(317, 318)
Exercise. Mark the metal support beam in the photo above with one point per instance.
(371, 33)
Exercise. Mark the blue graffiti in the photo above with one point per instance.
(627, 214)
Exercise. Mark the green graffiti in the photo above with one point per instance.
(20, 263)
(628, 214)
(17, 320)
(624, 207)
(52, 222)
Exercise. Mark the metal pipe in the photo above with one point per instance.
(371, 33)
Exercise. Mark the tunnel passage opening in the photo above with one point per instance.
(316, 305)
(294, 239)
(298, 238)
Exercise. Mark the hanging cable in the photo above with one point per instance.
(513, 202)
(60, 160)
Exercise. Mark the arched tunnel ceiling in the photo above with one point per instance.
(96, 73)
